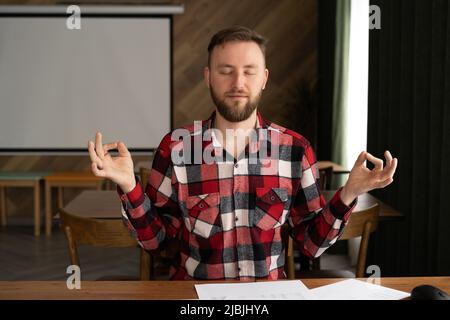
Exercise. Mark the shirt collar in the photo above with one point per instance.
(263, 136)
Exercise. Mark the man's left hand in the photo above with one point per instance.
(362, 179)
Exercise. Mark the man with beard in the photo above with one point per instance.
(227, 215)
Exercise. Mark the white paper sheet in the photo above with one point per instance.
(267, 290)
(356, 290)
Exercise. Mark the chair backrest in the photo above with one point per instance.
(102, 233)
(360, 224)
(325, 175)
(144, 173)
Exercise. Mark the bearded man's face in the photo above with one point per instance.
(236, 78)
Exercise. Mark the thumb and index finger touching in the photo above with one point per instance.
(99, 150)
(391, 163)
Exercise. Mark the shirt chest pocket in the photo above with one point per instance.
(270, 204)
(203, 214)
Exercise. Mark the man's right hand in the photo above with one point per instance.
(118, 169)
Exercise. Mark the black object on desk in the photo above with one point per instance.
(427, 292)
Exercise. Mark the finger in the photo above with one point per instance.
(109, 146)
(390, 170)
(361, 159)
(99, 146)
(96, 171)
(388, 157)
(123, 150)
(93, 155)
(385, 183)
(376, 161)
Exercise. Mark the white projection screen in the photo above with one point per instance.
(58, 87)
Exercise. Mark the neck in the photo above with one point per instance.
(222, 124)
(235, 143)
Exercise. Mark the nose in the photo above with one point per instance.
(238, 81)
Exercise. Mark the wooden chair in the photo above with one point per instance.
(361, 224)
(326, 175)
(144, 173)
(102, 233)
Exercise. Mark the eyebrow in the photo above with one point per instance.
(248, 66)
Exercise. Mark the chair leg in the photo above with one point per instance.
(48, 209)
(362, 256)
(3, 206)
(290, 259)
(37, 209)
(73, 252)
(145, 265)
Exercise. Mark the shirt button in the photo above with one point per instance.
(236, 165)
(201, 205)
(236, 218)
(272, 198)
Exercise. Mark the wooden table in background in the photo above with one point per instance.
(66, 179)
(336, 167)
(27, 180)
(163, 290)
(366, 200)
(104, 204)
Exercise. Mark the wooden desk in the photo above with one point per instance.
(366, 200)
(27, 180)
(162, 290)
(66, 179)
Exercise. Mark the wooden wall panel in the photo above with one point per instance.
(290, 26)
(289, 99)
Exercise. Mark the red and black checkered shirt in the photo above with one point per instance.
(227, 215)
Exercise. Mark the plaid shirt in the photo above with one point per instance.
(227, 215)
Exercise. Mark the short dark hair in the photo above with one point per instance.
(236, 33)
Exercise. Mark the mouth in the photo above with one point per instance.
(236, 96)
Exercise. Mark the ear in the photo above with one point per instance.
(266, 77)
(206, 74)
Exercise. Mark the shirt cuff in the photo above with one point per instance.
(135, 196)
(339, 209)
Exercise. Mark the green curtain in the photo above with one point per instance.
(341, 61)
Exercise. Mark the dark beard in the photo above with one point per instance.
(233, 114)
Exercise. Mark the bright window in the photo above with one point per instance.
(358, 73)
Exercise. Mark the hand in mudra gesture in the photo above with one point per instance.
(362, 179)
(119, 169)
